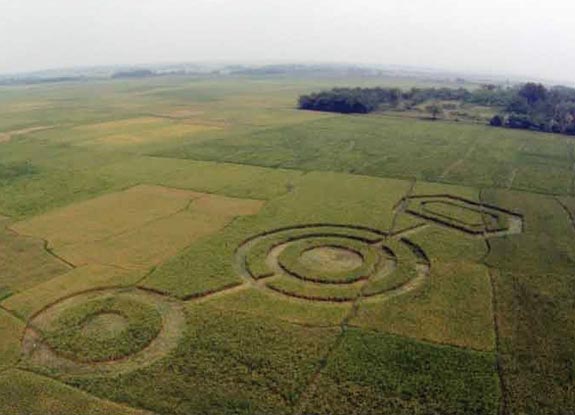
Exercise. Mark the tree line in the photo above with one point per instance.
(528, 106)
(535, 107)
(365, 100)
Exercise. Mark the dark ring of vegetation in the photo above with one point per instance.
(255, 258)
(289, 260)
(428, 207)
(67, 338)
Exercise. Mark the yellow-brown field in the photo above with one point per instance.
(137, 228)
(52, 397)
(140, 130)
(105, 216)
(11, 329)
(77, 280)
(24, 262)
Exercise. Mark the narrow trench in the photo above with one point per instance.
(568, 212)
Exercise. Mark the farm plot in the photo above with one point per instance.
(137, 228)
(221, 178)
(372, 373)
(317, 198)
(533, 276)
(102, 217)
(11, 330)
(82, 279)
(51, 397)
(135, 131)
(471, 155)
(24, 262)
(455, 305)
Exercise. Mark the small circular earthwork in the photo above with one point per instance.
(103, 331)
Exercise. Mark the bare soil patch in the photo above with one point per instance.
(331, 259)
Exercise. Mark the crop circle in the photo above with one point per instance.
(329, 260)
(334, 263)
(103, 331)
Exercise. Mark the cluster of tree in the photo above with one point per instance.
(37, 80)
(350, 100)
(529, 106)
(364, 100)
(135, 73)
(535, 107)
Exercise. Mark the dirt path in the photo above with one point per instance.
(511, 179)
(460, 161)
(9, 135)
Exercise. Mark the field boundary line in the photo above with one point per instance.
(14, 314)
(45, 246)
(568, 212)
(419, 340)
(400, 207)
(503, 399)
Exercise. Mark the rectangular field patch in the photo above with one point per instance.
(106, 216)
(30, 394)
(137, 228)
(25, 262)
(81, 279)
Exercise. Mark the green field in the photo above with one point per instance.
(197, 245)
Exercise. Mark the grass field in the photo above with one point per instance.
(196, 245)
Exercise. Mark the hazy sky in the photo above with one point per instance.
(526, 37)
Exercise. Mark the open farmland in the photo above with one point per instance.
(186, 245)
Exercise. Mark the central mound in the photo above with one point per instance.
(105, 325)
(105, 328)
(331, 259)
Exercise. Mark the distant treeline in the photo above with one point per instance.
(529, 106)
(535, 107)
(365, 100)
(135, 73)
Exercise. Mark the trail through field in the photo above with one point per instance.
(9, 135)
(511, 179)
(460, 161)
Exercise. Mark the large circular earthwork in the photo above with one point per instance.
(326, 262)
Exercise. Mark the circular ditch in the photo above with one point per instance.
(103, 331)
(335, 263)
